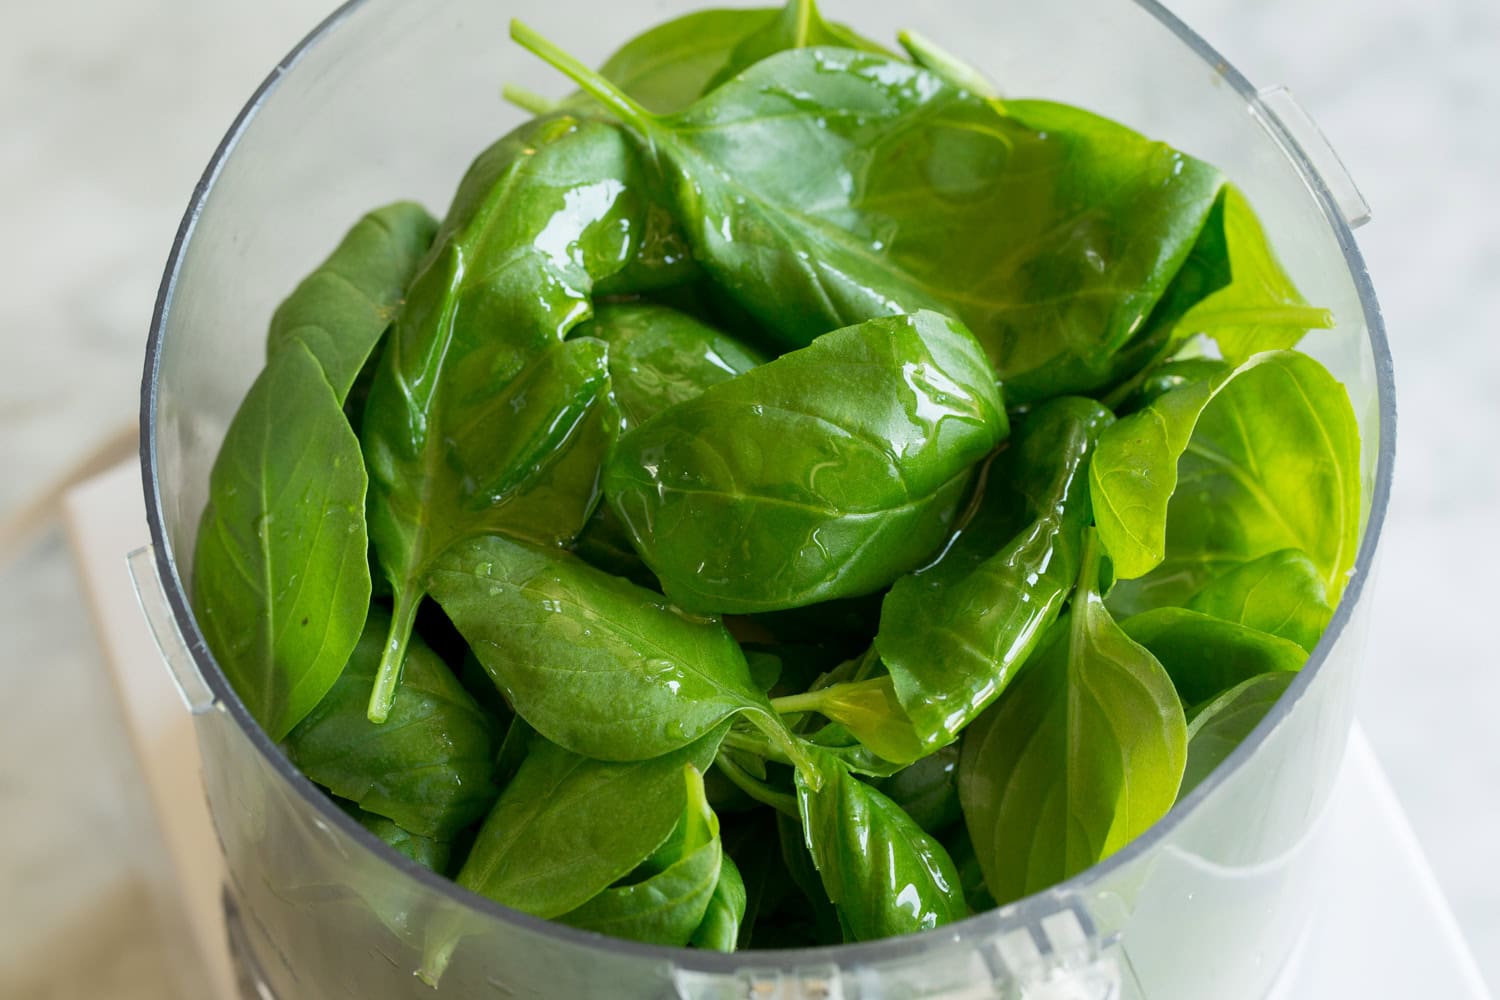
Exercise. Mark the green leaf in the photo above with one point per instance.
(1206, 656)
(541, 216)
(1255, 306)
(954, 71)
(884, 875)
(340, 310)
(953, 635)
(823, 923)
(927, 791)
(667, 907)
(1224, 723)
(594, 662)
(557, 837)
(429, 769)
(659, 357)
(1050, 232)
(869, 711)
(429, 853)
(827, 473)
(720, 929)
(1225, 470)
(1082, 754)
(799, 25)
(281, 581)
(1280, 593)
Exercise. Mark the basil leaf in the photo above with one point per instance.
(799, 25)
(429, 770)
(667, 907)
(826, 473)
(1225, 470)
(1206, 656)
(927, 791)
(594, 662)
(1254, 307)
(555, 839)
(429, 853)
(1224, 723)
(659, 357)
(1085, 751)
(870, 712)
(281, 581)
(1281, 594)
(1050, 232)
(953, 635)
(541, 216)
(823, 925)
(340, 311)
(884, 875)
(720, 929)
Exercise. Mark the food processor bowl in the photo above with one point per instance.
(391, 99)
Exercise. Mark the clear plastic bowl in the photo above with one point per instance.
(392, 98)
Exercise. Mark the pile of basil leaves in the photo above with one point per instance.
(795, 496)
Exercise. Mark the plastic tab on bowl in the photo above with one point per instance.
(1294, 129)
(190, 684)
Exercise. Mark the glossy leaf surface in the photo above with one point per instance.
(1206, 656)
(540, 217)
(555, 839)
(725, 916)
(429, 768)
(953, 635)
(1281, 593)
(1084, 752)
(667, 907)
(595, 663)
(281, 581)
(659, 357)
(824, 186)
(798, 25)
(1224, 723)
(927, 791)
(1226, 470)
(884, 875)
(826, 473)
(340, 310)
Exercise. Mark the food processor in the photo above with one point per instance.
(391, 99)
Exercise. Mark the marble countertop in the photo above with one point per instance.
(108, 113)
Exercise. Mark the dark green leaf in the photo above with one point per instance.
(429, 769)
(667, 907)
(1225, 470)
(1221, 725)
(425, 851)
(540, 217)
(1082, 754)
(884, 875)
(823, 924)
(340, 310)
(798, 25)
(953, 635)
(826, 473)
(659, 357)
(1206, 656)
(281, 579)
(927, 791)
(1281, 593)
(594, 662)
(824, 186)
(557, 838)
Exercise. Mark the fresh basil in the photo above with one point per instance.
(953, 635)
(1281, 593)
(281, 581)
(1205, 656)
(873, 430)
(1220, 726)
(799, 25)
(1084, 752)
(429, 769)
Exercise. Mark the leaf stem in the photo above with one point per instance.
(776, 731)
(597, 86)
(757, 790)
(756, 744)
(528, 100)
(393, 657)
(813, 701)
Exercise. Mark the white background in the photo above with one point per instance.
(108, 112)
